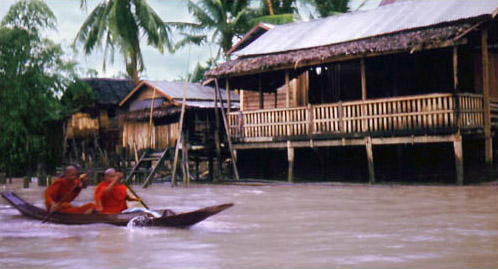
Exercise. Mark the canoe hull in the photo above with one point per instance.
(182, 220)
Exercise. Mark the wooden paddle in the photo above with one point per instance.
(136, 195)
(88, 172)
(131, 190)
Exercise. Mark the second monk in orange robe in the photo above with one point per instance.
(110, 196)
(67, 187)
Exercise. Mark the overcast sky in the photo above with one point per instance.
(158, 67)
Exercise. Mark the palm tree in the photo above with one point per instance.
(120, 24)
(216, 21)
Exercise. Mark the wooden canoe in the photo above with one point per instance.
(182, 220)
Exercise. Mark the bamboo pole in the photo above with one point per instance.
(261, 96)
(287, 90)
(457, 146)
(180, 131)
(485, 92)
(370, 159)
(227, 89)
(229, 140)
(150, 118)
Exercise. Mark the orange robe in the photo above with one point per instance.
(112, 202)
(57, 191)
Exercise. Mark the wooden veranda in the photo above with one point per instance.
(431, 118)
(430, 79)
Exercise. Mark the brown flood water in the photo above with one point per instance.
(305, 225)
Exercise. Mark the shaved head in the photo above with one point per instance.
(110, 171)
(109, 174)
(70, 172)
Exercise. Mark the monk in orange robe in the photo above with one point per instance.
(110, 196)
(67, 187)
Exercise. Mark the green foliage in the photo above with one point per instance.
(120, 24)
(33, 75)
(31, 15)
(216, 21)
(331, 7)
(275, 19)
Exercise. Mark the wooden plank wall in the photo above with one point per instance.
(138, 132)
(493, 78)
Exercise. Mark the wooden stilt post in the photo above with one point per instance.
(180, 132)
(217, 171)
(227, 89)
(370, 159)
(287, 89)
(227, 132)
(488, 151)
(197, 168)
(3, 178)
(290, 158)
(27, 180)
(457, 145)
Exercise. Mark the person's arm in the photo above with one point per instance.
(133, 198)
(50, 196)
(113, 183)
(98, 198)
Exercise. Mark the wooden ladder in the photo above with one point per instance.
(148, 156)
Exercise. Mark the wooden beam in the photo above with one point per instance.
(227, 88)
(261, 96)
(149, 142)
(241, 100)
(363, 94)
(287, 89)
(455, 68)
(370, 159)
(488, 151)
(363, 80)
(290, 158)
(457, 145)
(248, 144)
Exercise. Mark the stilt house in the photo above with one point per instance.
(414, 72)
(151, 113)
(93, 133)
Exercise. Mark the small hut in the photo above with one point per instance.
(92, 134)
(151, 113)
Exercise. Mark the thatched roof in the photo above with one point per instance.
(393, 28)
(110, 91)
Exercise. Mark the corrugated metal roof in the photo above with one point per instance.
(207, 104)
(195, 91)
(363, 24)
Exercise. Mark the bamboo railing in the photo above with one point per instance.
(422, 113)
(493, 106)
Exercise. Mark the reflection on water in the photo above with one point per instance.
(277, 226)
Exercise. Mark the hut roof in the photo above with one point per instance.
(252, 35)
(407, 25)
(110, 91)
(197, 95)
